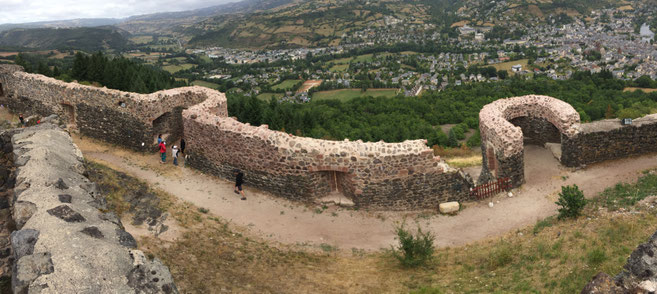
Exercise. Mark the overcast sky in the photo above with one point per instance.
(20, 11)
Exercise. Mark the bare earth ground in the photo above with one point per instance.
(283, 221)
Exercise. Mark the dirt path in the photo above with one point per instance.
(287, 222)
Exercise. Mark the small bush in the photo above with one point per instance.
(413, 250)
(203, 210)
(571, 202)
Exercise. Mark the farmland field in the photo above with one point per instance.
(177, 68)
(267, 96)
(507, 65)
(205, 84)
(348, 94)
(287, 84)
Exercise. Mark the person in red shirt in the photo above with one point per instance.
(163, 151)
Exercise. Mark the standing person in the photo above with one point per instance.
(163, 151)
(239, 180)
(174, 153)
(159, 139)
(20, 117)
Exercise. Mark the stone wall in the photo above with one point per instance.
(375, 175)
(119, 117)
(502, 141)
(65, 240)
(608, 139)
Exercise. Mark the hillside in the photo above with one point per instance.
(309, 23)
(481, 12)
(165, 23)
(88, 39)
(69, 23)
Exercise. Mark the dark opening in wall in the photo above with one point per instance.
(2, 93)
(537, 131)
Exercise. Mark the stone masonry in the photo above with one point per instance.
(114, 116)
(502, 141)
(65, 240)
(376, 175)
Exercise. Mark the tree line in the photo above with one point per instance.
(113, 72)
(594, 96)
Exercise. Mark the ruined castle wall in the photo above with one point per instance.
(376, 175)
(65, 240)
(608, 139)
(502, 141)
(117, 117)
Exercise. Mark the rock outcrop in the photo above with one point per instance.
(639, 274)
(65, 241)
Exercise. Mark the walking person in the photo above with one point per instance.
(174, 153)
(163, 152)
(20, 117)
(182, 145)
(239, 180)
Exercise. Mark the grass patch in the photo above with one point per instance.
(267, 96)
(468, 161)
(508, 65)
(177, 68)
(205, 84)
(348, 94)
(287, 84)
(624, 195)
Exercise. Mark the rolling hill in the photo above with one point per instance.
(87, 39)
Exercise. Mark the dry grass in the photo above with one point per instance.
(212, 256)
(449, 153)
(460, 162)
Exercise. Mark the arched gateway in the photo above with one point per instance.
(502, 123)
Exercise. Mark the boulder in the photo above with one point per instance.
(449, 207)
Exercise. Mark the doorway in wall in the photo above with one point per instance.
(69, 112)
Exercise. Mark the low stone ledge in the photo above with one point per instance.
(66, 243)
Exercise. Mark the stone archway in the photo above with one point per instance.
(543, 118)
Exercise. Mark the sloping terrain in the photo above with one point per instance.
(310, 23)
(88, 39)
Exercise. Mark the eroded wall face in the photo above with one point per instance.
(114, 127)
(537, 131)
(605, 140)
(378, 175)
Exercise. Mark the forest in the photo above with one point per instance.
(116, 73)
(594, 96)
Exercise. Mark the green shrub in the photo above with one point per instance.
(413, 250)
(571, 202)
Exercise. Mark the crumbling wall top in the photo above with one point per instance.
(210, 112)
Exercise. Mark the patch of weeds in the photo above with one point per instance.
(328, 248)
(624, 195)
(334, 213)
(381, 217)
(501, 256)
(318, 210)
(595, 257)
(357, 252)
(203, 210)
(563, 178)
(414, 249)
(542, 224)
(282, 212)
